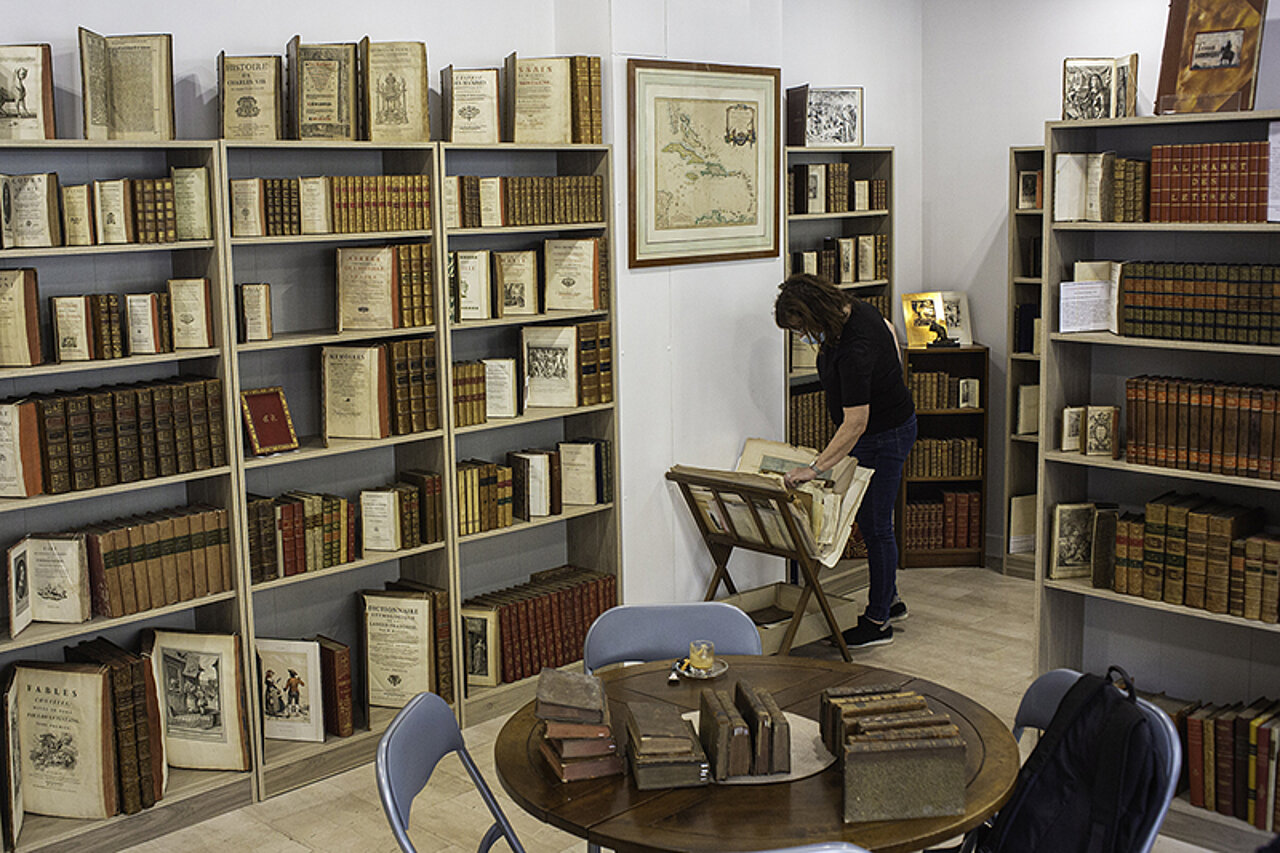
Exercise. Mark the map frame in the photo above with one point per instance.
(751, 96)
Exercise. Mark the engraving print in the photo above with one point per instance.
(548, 363)
(477, 645)
(1086, 89)
(393, 107)
(1220, 49)
(834, 117)
(192, 704)
(705, 164)
(1073, 544)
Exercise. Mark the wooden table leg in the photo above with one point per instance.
(720, 554)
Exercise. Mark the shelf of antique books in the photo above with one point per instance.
(1175, 227)
(1114, 340)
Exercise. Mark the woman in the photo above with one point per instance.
(860, 368)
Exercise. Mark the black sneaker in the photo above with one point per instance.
(867, 634)
(898, 611)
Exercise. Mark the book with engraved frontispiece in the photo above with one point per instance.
(267, 420)
(291, 690)
(26, 71)
(191, 312)
(127, 83)
(393, 91)
(322, 90)
(251, 97)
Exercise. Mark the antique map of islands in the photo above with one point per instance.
(705, 167)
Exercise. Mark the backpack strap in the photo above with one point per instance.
(1111, 781)
(1076, 699)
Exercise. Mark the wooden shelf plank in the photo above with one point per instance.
(1108, 339)
(529, 319)
(104, 249)
(68, 367)
(1029, 439)
(1083, 586)
(292, 764)
(850, 214)
(1206, 227)
(539, 521)
(1024, 356)
(370, 558)
(332, 237)
(1209, 829)
(39, 633)
(320, 337)
(1157, 471)
(575, 147)
(1026, 279)
(533, 416)
(944, 479)
(527, 229)
(313, 447)
(21, 504)
(1030, 211)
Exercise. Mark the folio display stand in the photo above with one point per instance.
(721, 545)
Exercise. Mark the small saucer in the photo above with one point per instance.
(718, 668)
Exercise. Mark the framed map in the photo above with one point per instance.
(704, 159)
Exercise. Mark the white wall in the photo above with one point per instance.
(992, 77)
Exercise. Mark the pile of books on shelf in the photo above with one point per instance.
(472, 201)
(41, 214)
(533, 484)
(888, 742)
(119, 567)
(826, 188)
(1210, 182)
(76, 440)
(378, 391)
(299, 532)
(1224, 303)
(953, 522)
(811, 426)
(1100, 187)
(487, 285)
(1229, 756)
(329, 204)
(846, 260)
(1211, 427)
(306, 688)
(937, 389)
(391, 516)
(385, 287)
(577, 735)
(663, 748)
(945, 457)
(541, 623)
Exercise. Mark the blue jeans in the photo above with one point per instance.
(885, 453)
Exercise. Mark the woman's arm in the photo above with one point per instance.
(847, 435)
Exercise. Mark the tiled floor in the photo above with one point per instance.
(969, 629)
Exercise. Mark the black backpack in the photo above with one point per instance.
(1092, 780)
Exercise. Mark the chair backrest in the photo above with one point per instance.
(648, 632)
(424, 732)
(1041, 701)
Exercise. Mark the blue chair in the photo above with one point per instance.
(649, 632)
(422, 733)
(1036, 711)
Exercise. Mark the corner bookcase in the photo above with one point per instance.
(806, 419)
(1185, 652)
(302, 272)
(1026, 229)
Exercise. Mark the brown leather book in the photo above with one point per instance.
(80, 442)
(1225, 759)
(1219, 429)
(1153, 555)
(335, 686)
(184, 449)
(579, 698)
(1251, 464)
(144, 405)
(1235, 579)
(1179, 457)
(216, 416)
(120, 679)
(198, 413)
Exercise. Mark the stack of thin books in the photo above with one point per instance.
(577, 739)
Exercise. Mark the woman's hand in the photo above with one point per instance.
(796, 476)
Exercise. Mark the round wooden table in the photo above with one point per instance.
(613, 813)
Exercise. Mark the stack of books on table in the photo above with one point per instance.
(663, 748)
(577, 739)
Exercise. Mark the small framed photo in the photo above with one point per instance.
(289, 686)
(1031, 190)
(481, 646)
(267, 420)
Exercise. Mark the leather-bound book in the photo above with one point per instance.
(184, 446)
(198, 412)
(216, 418)
(655, 728)
(80, 442)
(120, 679)
(335, 685)
(1224, 765)
(166, 446)
(569, 769)
(102, 416)
(570, 696)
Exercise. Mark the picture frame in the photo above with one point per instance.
(1072, 541)
(267, 420)
(733, 111)
(956, 317)
(1031, 189)
(289, 685)
(481, 646)
(1211, 54)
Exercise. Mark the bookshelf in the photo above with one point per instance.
(582, 535)
(936, 470)
(806, 419)
(1025, 229)
(118, 269)
(1183, 651)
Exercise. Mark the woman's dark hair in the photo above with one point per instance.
(809, 304)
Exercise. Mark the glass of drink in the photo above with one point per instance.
(702, 654)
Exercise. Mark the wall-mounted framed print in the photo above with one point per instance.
(703, 161)
(267, 420)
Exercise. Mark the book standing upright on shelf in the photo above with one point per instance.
(393, 91)
(251, 97)
(322, 90)
(127, 86)
(26, 71)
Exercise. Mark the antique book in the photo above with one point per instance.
(550, 356)
(398, 634)
(322, 90)
(1101, 431)
(393, 91)
(113, 211)
(251, 97)
(19, 319)
(474, 287)
(1028, 421)
(1072, 541)
(369, 291)
(191, 202)
(355, 390)
(335, 681)
(248, 208)
(570, 697)
(73, 332)
(760, 722)
(128, 768)
(1211, 55)
(50, 573)
(578, 474)
(26, 76)
(442, 677)
(500, 388)
(11, 810)
(381, 519)
(572, 769)
(667, 770)
(1072, 427)
(1099, 88)
(470, 98)
(315, 205)
(31, 215)
(903, 779)
(538, 99)
(1104, 558)
(291, 690)
(127, 86)
(656, 728)
(201, 695)
(68, 759)
(21, 466)
(515, 279)
(254, 311)
(572, 274)
(191, 312)
(824, 116)
(724, 734)
(266, 418)
(77, 215)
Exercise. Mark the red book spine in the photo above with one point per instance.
(1195, 759)
(1225, 767)
(975, 519)
(949, 520)
(506, 631)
